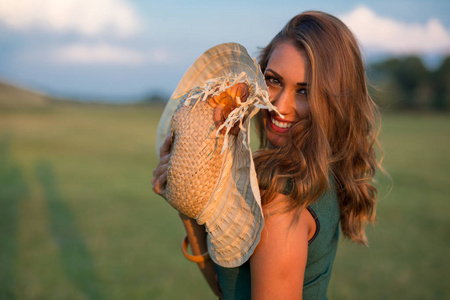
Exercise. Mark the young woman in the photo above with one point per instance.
(315, 167)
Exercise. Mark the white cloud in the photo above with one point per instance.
(101, 54)
(96, 54)
(85, 17)
(378, 33)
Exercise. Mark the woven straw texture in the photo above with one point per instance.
(195, 165)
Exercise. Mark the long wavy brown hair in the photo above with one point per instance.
(338, 139)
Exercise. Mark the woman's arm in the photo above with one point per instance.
(279, 261)
(196, 233)
(197, 240)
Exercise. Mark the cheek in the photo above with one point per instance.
(272, 94)
(302, 109)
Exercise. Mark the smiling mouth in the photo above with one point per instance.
(279, 124)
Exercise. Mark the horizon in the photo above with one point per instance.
(431, 66)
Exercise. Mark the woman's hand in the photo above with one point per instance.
(226, 101)
(160, 173)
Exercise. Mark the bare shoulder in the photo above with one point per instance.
(291, 223)
(280, 257)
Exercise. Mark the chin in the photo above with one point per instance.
(276, 139)
(276, 142)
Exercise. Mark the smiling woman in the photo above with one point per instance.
(315, 168)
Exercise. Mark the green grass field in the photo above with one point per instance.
(78, 219)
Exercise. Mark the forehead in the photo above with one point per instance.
(289, 61)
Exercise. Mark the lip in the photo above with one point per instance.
(277, 128)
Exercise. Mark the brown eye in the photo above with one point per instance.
(303, 92)
(272, 80)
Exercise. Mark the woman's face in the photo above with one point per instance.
(287, 76)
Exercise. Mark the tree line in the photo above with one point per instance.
(407, 84)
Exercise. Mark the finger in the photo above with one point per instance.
(211, 102)
(239, 90)
(218, 114)
(222, 97)
(228, 102)
(160, 169)
(214, 100)
(165, 147)
(159, 186)
(162, 166)
(233, 91)
(165, 159)
(163, 180)
(243, 92)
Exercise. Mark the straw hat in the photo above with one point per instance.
(211, 176)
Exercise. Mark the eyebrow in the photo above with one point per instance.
(302, 84)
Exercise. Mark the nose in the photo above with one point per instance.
(284, 101)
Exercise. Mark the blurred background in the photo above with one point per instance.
(82, 86)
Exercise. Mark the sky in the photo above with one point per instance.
(123, 50)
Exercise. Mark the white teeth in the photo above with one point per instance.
(281, 124)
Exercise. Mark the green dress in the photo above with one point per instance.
(236, 282)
